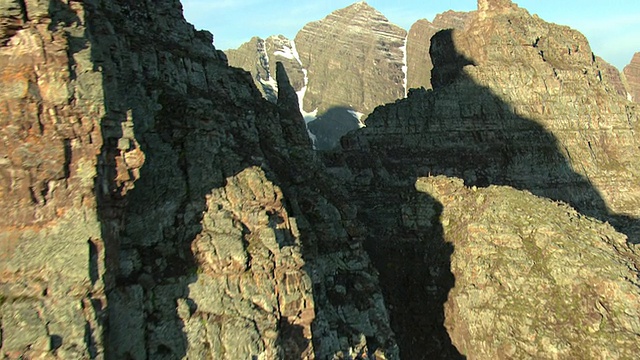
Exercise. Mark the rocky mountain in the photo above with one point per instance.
(419, 63)
(339, 47)
(330, 65)
(491, 121)
(632, 75)
(334, 56)
(157, 206)
(546, 128)
(370, 39)
(259, 57)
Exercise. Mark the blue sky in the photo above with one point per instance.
(612, 27)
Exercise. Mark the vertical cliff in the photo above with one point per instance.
(259, 57)
(52, 290)
(160, 207)
(419, 63)
(527, 107)
(632, 75)
(516, 103)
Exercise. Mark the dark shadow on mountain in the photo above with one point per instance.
(330, 126)
(460, 129)
(150, 214)
(406, 245)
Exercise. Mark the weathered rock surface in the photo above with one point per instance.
(546, 281)
(613, 77)
(632, 75)
(342, 67)
(419, 63)
(259, 56)
(518, 102)
(159, 207)
(349, 48)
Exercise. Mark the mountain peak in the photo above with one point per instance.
(493, 5)
(359, 7)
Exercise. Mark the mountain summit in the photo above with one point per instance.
(351, 47)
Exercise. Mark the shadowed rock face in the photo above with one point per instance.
(632, 75)
(518, 102)
(545, 75)
(419, 63)
(158, 207)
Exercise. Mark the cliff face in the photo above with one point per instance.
(339, 52)
(516, 102)
(527, 109)
(342, 67)
(632, 75)
(259, 56)
(159, 206)
(419, 63)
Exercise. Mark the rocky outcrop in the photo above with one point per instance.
(158, 206)
(259, 56)
(517, 102)
(419, 40)
(545, 282)
(612, 77)
(632, 75)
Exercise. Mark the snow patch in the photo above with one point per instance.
(308, 116)
(286, 52)
(294, 52)
(358, 115)
(405, 68)
(271, 82)
(629, 97)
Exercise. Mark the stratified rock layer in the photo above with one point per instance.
(632, 75)
(158, 207)
(613, 77)
(419, 63)
(352, 48)
(518, 102)
(259, 56)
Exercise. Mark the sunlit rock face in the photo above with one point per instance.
(419, 63)
(157, 206)
(632, 74)
(522, 122)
